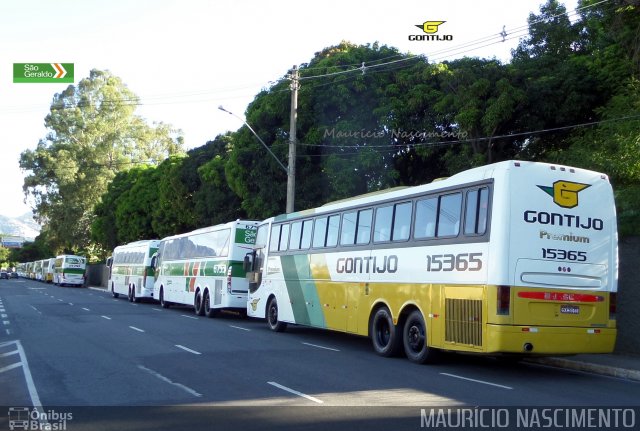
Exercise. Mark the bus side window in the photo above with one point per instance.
(402, 221)
(475, 218)
(348, 232)
(425, 224)
(332, 231)
(449, 215)
(296, 236)
(363, 235)
(382, 229)
(319, 232)
(284, 237)
(275, 238)
(307, 229)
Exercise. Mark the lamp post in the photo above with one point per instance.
(288, 172)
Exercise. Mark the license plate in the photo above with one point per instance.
(569, 309)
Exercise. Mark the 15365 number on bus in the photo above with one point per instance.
(454, 262)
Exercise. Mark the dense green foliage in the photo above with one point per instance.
(371, 117)
(92, 135)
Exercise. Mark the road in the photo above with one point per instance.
(78, 349)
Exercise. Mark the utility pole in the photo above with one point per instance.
(291, 172)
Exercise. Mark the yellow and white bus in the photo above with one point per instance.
(514, 257)
(130, 270)
(69, 270)
(48, 268)
(204, 268)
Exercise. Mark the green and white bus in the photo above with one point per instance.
(510, 258)
(130, 270)
(69, 270)
(204, 268)
(48, 268)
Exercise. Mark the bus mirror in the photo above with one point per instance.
(247, 265)
(154, 261)
(109, 261)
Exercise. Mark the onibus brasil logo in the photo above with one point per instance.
(564, 193)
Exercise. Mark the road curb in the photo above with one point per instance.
(605, 370)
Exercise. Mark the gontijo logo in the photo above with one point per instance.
(564, 193)
(430, 28)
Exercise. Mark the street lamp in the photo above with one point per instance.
(288, 172)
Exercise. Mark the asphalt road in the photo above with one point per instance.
(77, 349)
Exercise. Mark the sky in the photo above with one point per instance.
(184, 58)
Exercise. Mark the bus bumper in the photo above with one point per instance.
(549, 340)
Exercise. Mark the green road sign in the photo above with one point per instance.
(43, 72)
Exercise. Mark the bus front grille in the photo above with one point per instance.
(463, 320)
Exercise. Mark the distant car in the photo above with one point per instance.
(4, 274)
(13, 275)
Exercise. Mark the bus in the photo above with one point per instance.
(37, 270)
(514, 258)
(204, 268)
(130, 271)
(48, 268)
(69, 270)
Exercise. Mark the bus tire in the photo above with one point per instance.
(208, 311)
(272, 317)
(113, 292)
(414, 339)
(163, 303)
(385, 336)
(198, 304)
(130, 294)
(134, 298)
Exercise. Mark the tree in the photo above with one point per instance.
(93, 135)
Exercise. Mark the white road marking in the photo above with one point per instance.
(5, 322)
(60, 300)
(167, 380)
(477, 381)
(85, 309)
(71, 303)
(10, 367)
(4, 316)
(31, 386)
(188, 349)
(35, 309)
(189, 317)
(136, 329)
(321, 347)
(4, 355)
(157, 309)
(105, 317)
(8, 332)
(300, 394)
(239, 327)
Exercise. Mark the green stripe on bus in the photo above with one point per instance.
(302, 291)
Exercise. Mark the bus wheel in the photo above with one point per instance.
(113, 292)
(384, 334)
(208, 311)
(134, 298)
(414, 336)
(198, 305)
(272, 317)
(130, 295)
(163, 303)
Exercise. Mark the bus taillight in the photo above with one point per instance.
(504, 300)
(613, 305)
(229, 280)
